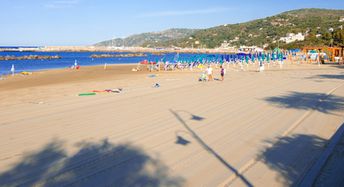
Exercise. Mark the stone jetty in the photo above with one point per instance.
(118, 55)
(29, 57)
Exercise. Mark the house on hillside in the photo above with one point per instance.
(291, 37)
(250, 49)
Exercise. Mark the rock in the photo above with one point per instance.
(29, 57)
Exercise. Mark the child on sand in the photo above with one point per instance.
(223, 72)
(210, 73)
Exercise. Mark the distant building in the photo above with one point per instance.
(250, 49)
(234, 40)
(226, 45)
(291, 37)
(341, 19)
(21, 48)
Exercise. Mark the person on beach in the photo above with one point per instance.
(222, 72)
(210, 73)
(12, 70)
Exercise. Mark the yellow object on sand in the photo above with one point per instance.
(26, 73)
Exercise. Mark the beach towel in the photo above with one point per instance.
(203, 77)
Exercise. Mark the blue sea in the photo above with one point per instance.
(84, 59)
(67, 60)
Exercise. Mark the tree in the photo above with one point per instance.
(338, 38)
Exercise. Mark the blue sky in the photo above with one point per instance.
(85, 22)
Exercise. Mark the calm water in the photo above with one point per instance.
(67, 60)
(83, 58)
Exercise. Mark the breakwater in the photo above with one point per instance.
(29, 57)
(118, 55)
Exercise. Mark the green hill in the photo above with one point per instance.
(269, 30)
(153, 37)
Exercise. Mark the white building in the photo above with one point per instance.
(291, 37)
(250, 49)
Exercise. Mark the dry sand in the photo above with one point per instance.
(253, 129)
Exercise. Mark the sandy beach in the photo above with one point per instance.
(253, 129)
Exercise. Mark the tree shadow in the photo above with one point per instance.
(95, 164)
(309, 101)
(329, 76)
(287, 156)
(337, 66)
(182, 141)
(206, 146)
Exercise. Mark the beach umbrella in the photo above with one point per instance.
(227, 57)
(277, 50)
(259, 58)
(263, 56)
(280, 56)
(246, 59)
(176, 57)
(273, 56)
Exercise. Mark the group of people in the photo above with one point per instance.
(207, 75)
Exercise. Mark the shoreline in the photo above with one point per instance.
(124, 49)
(56, 68)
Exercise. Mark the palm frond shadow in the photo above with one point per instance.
(308, 101)
(95, 164)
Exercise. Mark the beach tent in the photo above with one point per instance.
(277, 50)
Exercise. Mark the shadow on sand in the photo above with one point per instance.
(95, 164)
(337, 66)
(309, 101)
(292, 156)
(328, 76)
(206, 146)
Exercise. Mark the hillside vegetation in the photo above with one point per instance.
(320, 27)
(151, 37)
(268, 31)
